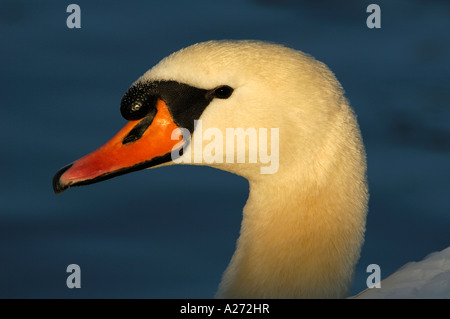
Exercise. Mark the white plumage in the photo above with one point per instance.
(429, 278)
(303, 225)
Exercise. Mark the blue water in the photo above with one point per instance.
(170, 232)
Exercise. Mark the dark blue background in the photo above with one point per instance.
(170, 232)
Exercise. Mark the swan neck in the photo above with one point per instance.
(301, 234)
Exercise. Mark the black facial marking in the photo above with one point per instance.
(137, 102)
(185, 103)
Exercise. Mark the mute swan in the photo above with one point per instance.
(303, 225)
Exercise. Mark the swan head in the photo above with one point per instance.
(276, 99)
(278, 118)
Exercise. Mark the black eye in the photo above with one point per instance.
(136, 104)
(222, 92)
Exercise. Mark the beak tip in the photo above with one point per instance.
(59, 187)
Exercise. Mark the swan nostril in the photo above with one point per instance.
(138, 131)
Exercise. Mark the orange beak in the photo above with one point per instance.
(119, 155)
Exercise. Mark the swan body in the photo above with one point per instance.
(428, 278)
(303, 225)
